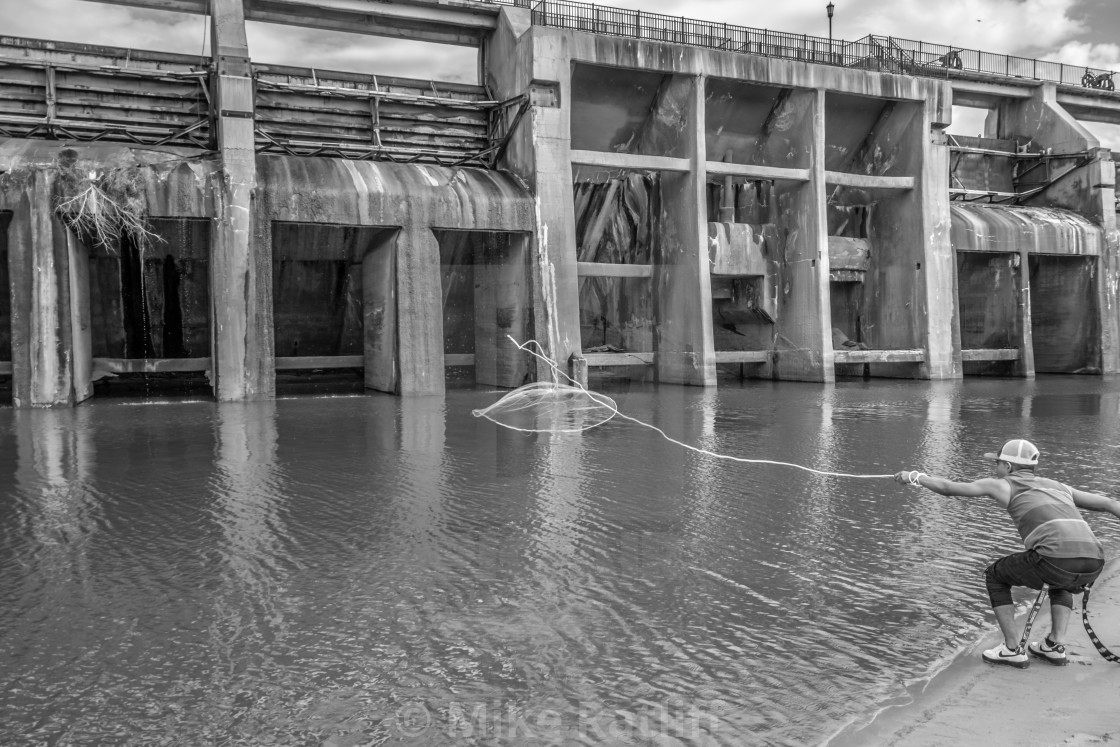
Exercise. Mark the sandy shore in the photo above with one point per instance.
(973, 703)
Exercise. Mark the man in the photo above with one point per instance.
(1061, 549)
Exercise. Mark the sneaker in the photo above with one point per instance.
(1001, 654)
(1055, 653)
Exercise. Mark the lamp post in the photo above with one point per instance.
(830, 8)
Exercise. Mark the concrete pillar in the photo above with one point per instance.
(240, 281)
(81, 359)
(804, 327)
(1025, 365)
(517, 62)
(379, 316)
(685, 343)
(913, 301)
(942, 335)
(39, 264)
(419, 312)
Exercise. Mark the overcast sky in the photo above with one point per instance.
(1077, 32)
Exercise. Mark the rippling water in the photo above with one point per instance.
(373, 570)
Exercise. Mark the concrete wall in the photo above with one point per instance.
(1073, 180)
(52, 346)
(678, 110)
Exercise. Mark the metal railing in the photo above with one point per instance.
(872, 52)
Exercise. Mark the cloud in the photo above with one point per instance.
(108, 25)
(361, 53)
(1002, 26)
(1105, 56)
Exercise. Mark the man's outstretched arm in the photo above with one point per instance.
(985, 487)
(1095, 502)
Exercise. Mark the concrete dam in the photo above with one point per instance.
(645, 196)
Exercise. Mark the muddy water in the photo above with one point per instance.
(372, 570)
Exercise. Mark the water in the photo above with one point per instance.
(373, 570)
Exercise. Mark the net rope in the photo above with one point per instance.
(555, 407)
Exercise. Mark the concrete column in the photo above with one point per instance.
(685, 343)
(942, 337)
(520, 62)
(804, 345)
(914, 273)
(379, 316)
(39, 259)
(1025, 365)
(419, 312)
(240, 281)
(80, 325)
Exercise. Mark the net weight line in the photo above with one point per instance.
(1101, 648)
(609, 405)
(1096, 641)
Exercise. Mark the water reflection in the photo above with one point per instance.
(55, 505)
(376, 570)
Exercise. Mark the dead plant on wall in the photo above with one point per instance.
(104, 205)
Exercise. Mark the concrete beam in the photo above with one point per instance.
(752, 171)
(609, 270)
(629, 161)
(464, 24)
(987, 94)
(1090, 108)
(868, 181)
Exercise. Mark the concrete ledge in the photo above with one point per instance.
(149, 365)
(629, 161)
(868, 181)
(293, 363)
(743, 356)
(618, 359)
(990, 354)
(879, 356)
(608, 270)
(720, 168)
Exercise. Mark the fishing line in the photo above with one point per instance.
(562, 395)
(572, 407)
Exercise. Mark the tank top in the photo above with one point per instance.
(1048, 520)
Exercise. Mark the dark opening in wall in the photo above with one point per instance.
(621, 110)
(327, 281)
(486, 301)
(1065, 327)
(988, 292)
(149, 311)
(618, 221)
(5, 313)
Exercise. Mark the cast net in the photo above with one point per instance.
(569, 407)
(550, 407)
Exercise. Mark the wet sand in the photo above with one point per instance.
(973, 703)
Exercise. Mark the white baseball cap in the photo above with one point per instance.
(1017, 451)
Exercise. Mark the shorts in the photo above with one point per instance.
(1065, 576)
